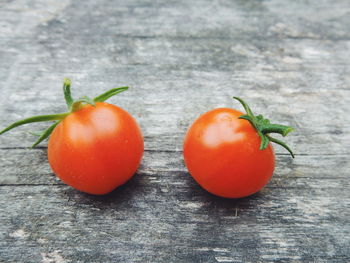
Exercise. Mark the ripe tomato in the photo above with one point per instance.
(96, 149)
(95, 146)
(221, 151)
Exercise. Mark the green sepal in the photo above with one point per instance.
(245, 106)
(37, 133)
(104, 96)
(246, 117)
(250, 119)
(281, 143)
(276, 128)
(45, 134)
(72, 106)
(264, 142)
(39, 118)
(264, 127)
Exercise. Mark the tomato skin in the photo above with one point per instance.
(96, 149)
(222, 154)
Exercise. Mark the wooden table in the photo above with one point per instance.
(288, 59)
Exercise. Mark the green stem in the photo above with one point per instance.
(246, 107)
(39, 118)
(104, 96)
(264, 127)
(73, 105)
(67, 93)
(46, 134)
(281, 143)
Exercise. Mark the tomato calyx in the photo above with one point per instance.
(73, 105)
(264, 127)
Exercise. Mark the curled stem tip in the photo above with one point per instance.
(67, 81)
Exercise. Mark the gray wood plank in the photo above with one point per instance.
(27, 166)
(162, 212)
(142, 223)
(297, 86)
(180, 58)
(202, 18)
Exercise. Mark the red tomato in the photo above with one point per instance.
(94, 146)
(96, 149)
(222, 154)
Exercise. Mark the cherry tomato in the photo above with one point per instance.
(96, 149)
(222, 153)
(95, 146)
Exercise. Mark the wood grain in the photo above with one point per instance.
(289, 60)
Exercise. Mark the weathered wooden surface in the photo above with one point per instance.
(288, 59)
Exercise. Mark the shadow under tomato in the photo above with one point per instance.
(121, 196)
(216, 202)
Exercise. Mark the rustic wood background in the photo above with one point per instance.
(289, 59)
